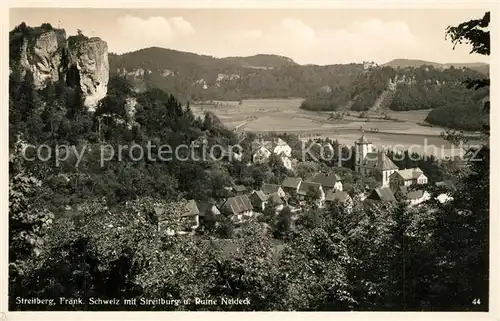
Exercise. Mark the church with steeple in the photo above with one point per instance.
(368, 160)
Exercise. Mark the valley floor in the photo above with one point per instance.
(403, 131)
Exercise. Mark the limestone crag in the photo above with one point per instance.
(49, 57)
(89, 68)
(44, 56)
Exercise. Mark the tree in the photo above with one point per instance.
(464, 261)
(283, 223)
(476, 33)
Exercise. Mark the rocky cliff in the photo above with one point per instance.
(43, 55)
(88, 69)
(48, 56)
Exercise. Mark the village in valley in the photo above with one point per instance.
(318, 190)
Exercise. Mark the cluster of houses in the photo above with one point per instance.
(394, 182)
(321, 188)
(262, 150)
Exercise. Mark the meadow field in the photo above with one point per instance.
(284, 115)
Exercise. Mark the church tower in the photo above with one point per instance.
(361, 148)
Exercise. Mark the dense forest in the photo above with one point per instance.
(195, 77)
(85, 230)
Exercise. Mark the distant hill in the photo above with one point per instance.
(415, 63)
(261, 61)
(410, 63)
(199, 77)
(401, 84)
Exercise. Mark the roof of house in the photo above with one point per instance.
(192, 208)
(270, 188)
(291, 182)
(260, 194)
(325, 179)
(240, 188)
(340, 196)
(410, 173)
(382, 193)
(207, 207)
(259, 143)
(306, 186)
(261, 149)
(362, 140)
(449, 184)
(415, 195)
(238, 204)
(379, 161)
(275, 198)
(278, 142)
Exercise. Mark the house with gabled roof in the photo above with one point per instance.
(261, 150)
(258, 200)
(187, 221)
(328, 181)
(272, 188)
(337, 196)
(239, 189)
(306, 188)
(260, 155)
(341, 197)
(279, 146)
(237, 207)
(277, 201)
(382, 193)
(417, 196)
(208, 211)
(407, 177)
(291, 185)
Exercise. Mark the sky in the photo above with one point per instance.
(312, 36)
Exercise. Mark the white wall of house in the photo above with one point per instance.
(422, 179)
(287, 150)
(287, 162)
(443, 198)
(261, 155)
(280, 192)
(425, 197)
(321, 201)
(338, 186)
(279, 207)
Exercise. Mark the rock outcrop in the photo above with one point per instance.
(44, 56)
(88, 69)
(49, 57)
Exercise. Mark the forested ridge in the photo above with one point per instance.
(92, 231)
(415, 84)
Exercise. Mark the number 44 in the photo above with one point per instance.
(476, 301)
